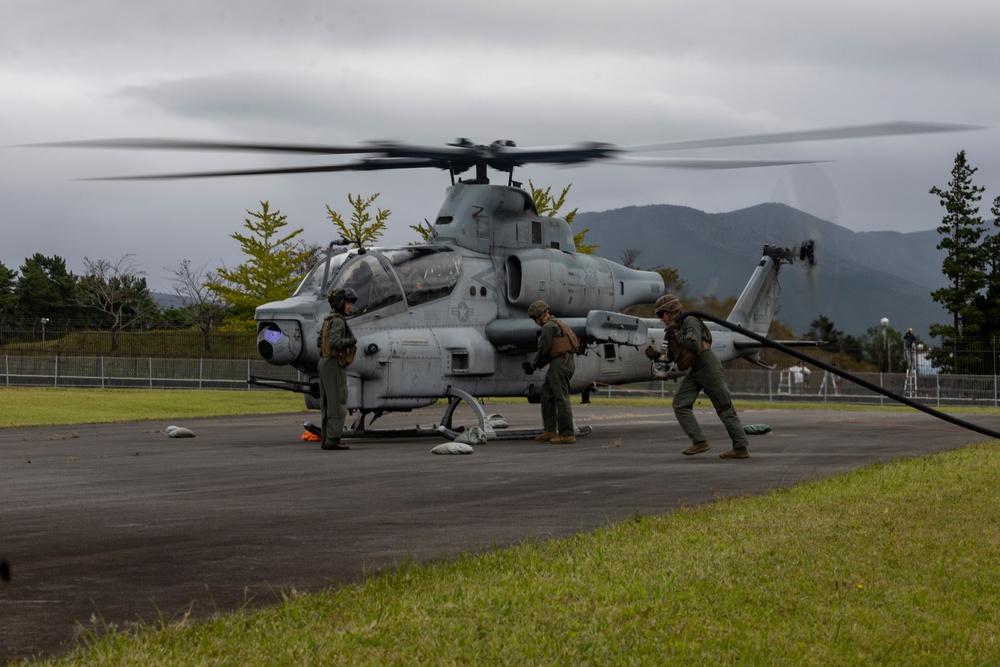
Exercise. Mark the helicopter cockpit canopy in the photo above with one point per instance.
(422, 273)
(426, 272)
(374, 285)
(313, 282)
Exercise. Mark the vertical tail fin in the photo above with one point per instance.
(758, 303)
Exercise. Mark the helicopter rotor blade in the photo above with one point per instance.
(706, 163)
(501, 155)
(574, 154)
(375, 147)
(139, 143)
(374, 164)
(845, 132)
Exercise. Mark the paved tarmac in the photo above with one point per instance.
(121, 523)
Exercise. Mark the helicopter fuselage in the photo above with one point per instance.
(452, 313)
(424, 311)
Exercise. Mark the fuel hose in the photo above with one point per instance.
(763, 340)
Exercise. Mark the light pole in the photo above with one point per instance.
(885, 341)
(44, 321)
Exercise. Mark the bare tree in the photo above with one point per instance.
(118, 291)
(311, 254)
(629, 256)
(202, 304)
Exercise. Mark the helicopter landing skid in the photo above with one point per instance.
(437, 430)
(457, 396)
(529, 433)
(445, 428)
(358, 431)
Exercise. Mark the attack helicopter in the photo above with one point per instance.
(446, 319)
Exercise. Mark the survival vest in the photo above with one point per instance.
(567, 342)
(343, 355)
(685, 357)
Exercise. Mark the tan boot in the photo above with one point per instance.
(334, 444)
(546, 437)
(563, 439)
(741, 453)
(697, 448)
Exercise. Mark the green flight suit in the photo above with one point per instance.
(557, 416)
(333, 378)
(705, 374)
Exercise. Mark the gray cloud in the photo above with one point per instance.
(540, 73)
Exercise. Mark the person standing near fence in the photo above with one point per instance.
(689, 345)
(800, 376)
(908, 340)
(337, 346)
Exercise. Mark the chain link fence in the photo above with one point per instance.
(822, 387)
(133, 372)
(164, 359)
(746, 384)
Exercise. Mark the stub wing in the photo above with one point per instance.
(599, 326)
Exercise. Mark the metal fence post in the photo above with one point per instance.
(55, 373)
(103, 373)
(150, 372)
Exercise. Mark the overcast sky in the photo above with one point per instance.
(544, 72)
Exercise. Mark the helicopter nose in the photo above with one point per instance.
(279, 343)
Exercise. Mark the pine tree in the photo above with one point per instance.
(822, 328)
(962, 230)
(269, 274)
(989, 301)
(362, 230)
(8, 301)
(46, 289)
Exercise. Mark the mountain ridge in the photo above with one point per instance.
(859, 277)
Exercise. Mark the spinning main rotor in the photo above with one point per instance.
(502, 155)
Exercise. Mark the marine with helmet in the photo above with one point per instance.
(557, 346)
(689, 346)
(337, 347)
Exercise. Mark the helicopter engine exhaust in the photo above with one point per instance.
(574, 284)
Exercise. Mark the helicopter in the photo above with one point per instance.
(446, 319)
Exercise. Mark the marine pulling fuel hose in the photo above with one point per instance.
(844, 374)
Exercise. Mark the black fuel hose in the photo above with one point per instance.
(844, 374)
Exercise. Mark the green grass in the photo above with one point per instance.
(894, 565)
(51, 406)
